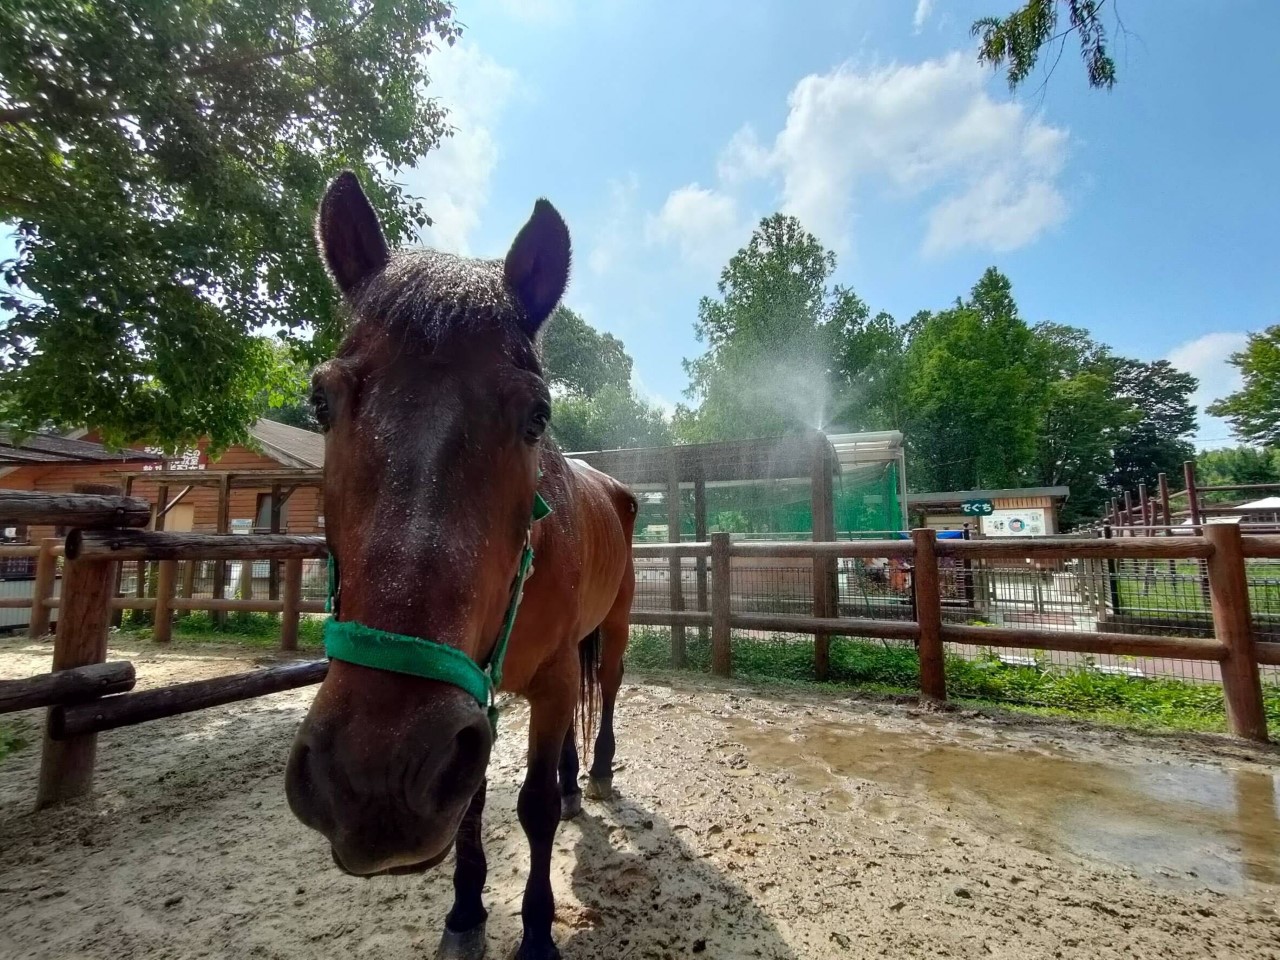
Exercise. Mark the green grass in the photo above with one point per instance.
(1185, 595)
(14, 736)
(895, 669)
(247, 629)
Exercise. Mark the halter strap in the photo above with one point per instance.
(366, 646)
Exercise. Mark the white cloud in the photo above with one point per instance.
(1207, 359)
(923, 9)
(743, 158)
(924, 129)
(704, 224)
(997, 213)
(453, 180)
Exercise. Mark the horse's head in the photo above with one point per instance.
(433, 411)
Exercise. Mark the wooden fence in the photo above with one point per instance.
(78, 709)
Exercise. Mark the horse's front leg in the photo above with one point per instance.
(464, 927)
(539, 809)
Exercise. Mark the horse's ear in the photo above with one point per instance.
(537, 265)
(350, 238)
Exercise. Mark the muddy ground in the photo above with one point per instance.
(748, 824)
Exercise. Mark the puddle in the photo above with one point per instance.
(1177, 823)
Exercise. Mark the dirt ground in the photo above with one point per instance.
(747, 824)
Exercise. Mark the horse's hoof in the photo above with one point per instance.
(462, 944)
(525, 952)
(570, 805)
(600, 788)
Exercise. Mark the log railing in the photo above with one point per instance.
(78, 712)
(1222, 547)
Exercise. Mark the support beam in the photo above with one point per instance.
(141, 544)
(289, 614)
(1233, 626)
(224, 524)
(66, 686)
(84, 617)
(675, 567)
(72, 722)
(928, 598)
(43, 587)
(826, 585)
(721, 606)
(73, 510)
(700, 535)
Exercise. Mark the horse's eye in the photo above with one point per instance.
(320, 407)
(537, 426)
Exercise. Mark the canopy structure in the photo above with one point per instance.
(802, 485)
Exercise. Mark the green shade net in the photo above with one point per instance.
(867, 504)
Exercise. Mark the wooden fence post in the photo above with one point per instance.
(292, 600)
(675, 566)
(84, 616)
(1233, 625)
(188, 582)
(933, 675)
(42, 589)
(826, 581)
(721, 593)
(166, 579)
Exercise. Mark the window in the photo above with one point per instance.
(263, 522)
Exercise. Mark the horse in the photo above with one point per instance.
(438, 473)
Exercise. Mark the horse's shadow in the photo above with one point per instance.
(646, 893)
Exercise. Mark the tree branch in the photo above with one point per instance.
(288, 50)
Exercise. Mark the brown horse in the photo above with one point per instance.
(434, 413)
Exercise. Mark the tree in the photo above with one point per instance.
(1082, 418)
(579, 359)
(870, 363)
(1017, 40)
(975, 392)
(611, 419)
(768, 364)
(1254, 409)
(161, 165)
(593, 405)
(1238, 465)
(1158, 440)
(288, 401)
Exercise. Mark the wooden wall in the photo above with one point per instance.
(302, 514)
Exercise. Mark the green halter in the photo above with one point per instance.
(419, 657)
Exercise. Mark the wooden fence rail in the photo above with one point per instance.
(93, 557)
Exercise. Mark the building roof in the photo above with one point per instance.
(291, 446)
(860, 449)
(765, 458)
(959, 496)
(51, 448)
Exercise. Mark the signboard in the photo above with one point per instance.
(1026, 522)
(242, 526)
(188, 460)
(977, 508)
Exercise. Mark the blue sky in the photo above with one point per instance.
(1147, 215)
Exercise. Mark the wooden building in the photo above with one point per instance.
(1015, 512)
(188, 491)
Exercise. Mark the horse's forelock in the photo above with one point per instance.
(427, 294)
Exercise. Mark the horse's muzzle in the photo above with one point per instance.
(388, 785)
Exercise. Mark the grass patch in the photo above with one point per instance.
(247, 629)
(14, 736)
(895, 668)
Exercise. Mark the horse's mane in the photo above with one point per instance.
(430, 294)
